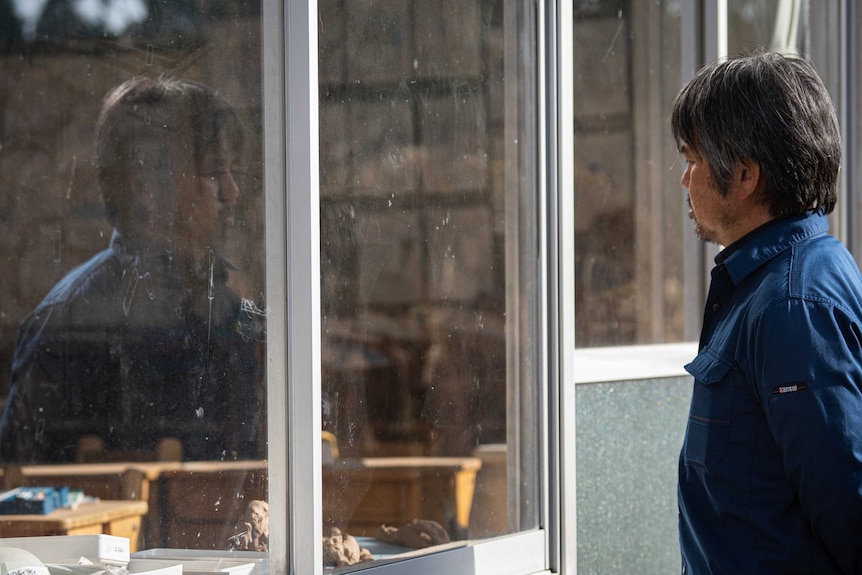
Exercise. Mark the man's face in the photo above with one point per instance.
(205, 204)
(711, 212)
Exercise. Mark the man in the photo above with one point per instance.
(770, 474)
(145, 341)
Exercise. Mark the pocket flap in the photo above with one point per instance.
(708, 367)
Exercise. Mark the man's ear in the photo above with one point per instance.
(747, 178)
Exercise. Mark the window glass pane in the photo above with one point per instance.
(629, 216)
(428, 261)
(131, 232)
(772, 24)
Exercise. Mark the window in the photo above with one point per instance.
(630, 225)
(640, 272)
(149, 358)
(363, 343)
(430, 212)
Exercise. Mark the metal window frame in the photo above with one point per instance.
(293, 287)
(293, 306)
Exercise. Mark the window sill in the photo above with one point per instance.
(628, 363)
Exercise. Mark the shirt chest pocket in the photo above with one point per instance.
(709, 420)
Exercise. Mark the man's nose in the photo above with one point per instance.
(685, 178)
(228, 189)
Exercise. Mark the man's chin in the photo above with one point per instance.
(704, 234)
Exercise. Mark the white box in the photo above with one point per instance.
(68, 549)
(142, 567)
(215, 560)
(57, 569)
(201, 566)
(148, 567)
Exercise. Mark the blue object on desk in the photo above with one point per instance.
(33, 500)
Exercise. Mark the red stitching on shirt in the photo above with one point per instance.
(707, 420)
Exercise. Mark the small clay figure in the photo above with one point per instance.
(254, 528)
(341, 549)
(417, 534)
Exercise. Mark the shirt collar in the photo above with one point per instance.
(767, 241)
(151, 255)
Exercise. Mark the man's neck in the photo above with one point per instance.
(748, 218)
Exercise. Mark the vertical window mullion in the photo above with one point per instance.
(274, 123)
(562, 456)
(301, 429)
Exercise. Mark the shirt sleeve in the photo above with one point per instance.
(808, 372)
(35, 399)
(52, 401)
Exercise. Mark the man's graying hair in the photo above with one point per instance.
(773, 110)
(151, 130)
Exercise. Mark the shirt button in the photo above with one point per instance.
(716, 307)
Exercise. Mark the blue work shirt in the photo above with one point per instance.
(129, 349)
(770, 474)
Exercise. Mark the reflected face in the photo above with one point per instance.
(708, 208)
(205, 204)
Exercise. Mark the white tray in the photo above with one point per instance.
(68, 549)
(215, 560)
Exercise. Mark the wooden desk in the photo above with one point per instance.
(111, 481)
(363, 494)
(200, 502)
(196, 505)
(103, 480)
(120, 518)
(192, 504)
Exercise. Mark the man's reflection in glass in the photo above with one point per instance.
(145, 341)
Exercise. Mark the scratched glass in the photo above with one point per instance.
(631, 262)
(131, 236)
(429, 232)
(131, 221)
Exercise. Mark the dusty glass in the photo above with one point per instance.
(429, 234)
(131, 233)
(630, 221)
(767, 24)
